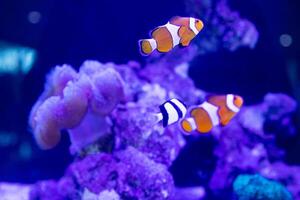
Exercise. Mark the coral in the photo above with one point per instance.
(121, 151)
(105, 195)
(171, 73)
(65, 188)
(249, 187)
(46, 190)
(289, 175)
(136, 127)
(69, 97)
(95, 172)
(128, 172)
(10, 191)
(224, 28)
(245, 147)
(112, 103)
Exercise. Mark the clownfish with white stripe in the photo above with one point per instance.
(217, 110)
(178, 31)
(171, 112)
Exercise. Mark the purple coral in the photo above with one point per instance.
(14, 191)
(129, 172)
(171, 73)
(69, 95)
(121, 101)
(65, 188)
(118, 103)
(136, 127)
(245, 147)
(224, 28)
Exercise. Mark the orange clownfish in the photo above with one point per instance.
(216, 110)
(178, 31)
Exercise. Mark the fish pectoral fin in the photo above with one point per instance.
(181, 46)
(184, 42)
(182, 31)
(184, 38)
(224, 123)
(224, 116)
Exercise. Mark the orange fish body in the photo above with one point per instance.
(217, 110)
(178, 31)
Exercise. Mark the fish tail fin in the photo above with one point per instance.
(158, 117)
(147, 46)
(188, 125)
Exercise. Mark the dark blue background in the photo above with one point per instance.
(71, 31)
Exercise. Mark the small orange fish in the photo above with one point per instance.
(178, 31)
(216, 110)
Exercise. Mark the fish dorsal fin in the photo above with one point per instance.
(175, 19)
(180, 21)
(151, 33)
(218, 100)
(155, 31)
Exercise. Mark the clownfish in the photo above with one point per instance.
(178, 31)
(171, 111)
(217, 110)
